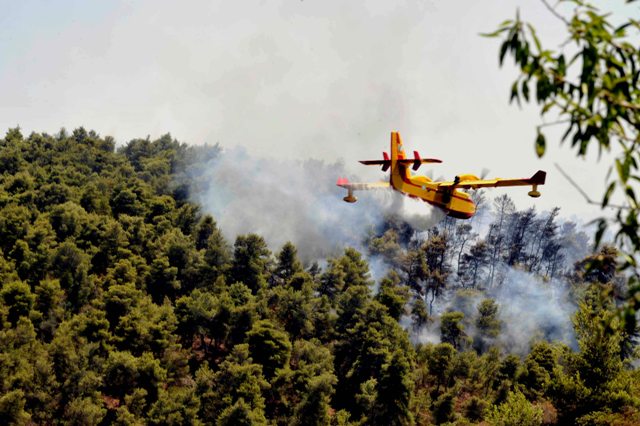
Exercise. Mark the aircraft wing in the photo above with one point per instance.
(536, 179)
(360, 186)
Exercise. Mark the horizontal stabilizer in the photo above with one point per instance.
(414, 163)
(385, 163)
(374, 162)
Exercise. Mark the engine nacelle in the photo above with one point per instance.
(468, 177)
(350, 198)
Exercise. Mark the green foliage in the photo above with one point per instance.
(515, 411)
(215, 251)
(176, 406)
(367, 339)
(18, 297)
(71, 267)
(393, 295)
(288, 264)
(121, 303)
(269, 347)
(251, 259)
(605, 418)
(241, 414)
(443, 409)
(487, 323)
(85, 411)
(441, 362)
(349, 270)
(14, 225)
(195, 314)
(599, 361)
(238, 378)
(387, 246)
(12, 408)
(452, 330)
(475, 409)
(590, 84)
(314, 408)
(419, 314)
(393, 393)
(293, 308)
(49, 305)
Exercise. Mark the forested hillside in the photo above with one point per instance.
(122, 303)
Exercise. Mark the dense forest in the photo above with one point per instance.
(121, 302)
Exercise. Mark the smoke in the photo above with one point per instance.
(378, 268)
(284, 200)
(530, 309)
(298, 201)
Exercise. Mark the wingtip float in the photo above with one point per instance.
(444, 195)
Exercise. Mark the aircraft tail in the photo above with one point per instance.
(398, 158)
(539, 177)
(397, 153)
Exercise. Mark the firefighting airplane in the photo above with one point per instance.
(445, 195)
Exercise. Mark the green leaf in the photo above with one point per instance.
(632, 196)
(562, 66)
(608, 175)
(495, 33)
(525, 90)
(547, 107)
(584, 89)
(543, 88)
(535, 37)
(620, 31)
(541, 144)
(503, 51)
(602, 227)
(567, 132)
(607, 194)
(514, 93)
(629, 260)
(623, 169)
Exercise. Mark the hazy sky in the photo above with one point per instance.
(325, 79)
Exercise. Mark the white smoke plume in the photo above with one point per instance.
(285, 200)
(530, 310)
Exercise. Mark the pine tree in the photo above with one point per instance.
(287, 264)
(251, 260)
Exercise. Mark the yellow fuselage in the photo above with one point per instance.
(454, 202)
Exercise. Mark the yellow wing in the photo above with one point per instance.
(536, 179)
(358, 186)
